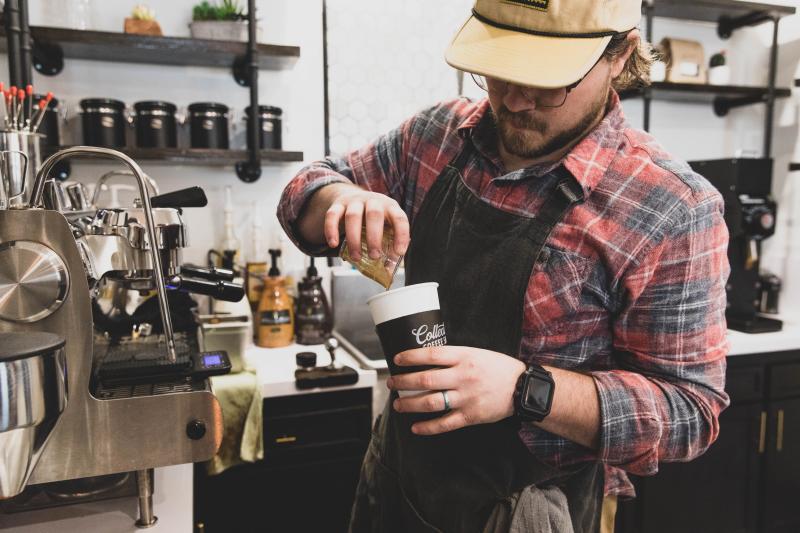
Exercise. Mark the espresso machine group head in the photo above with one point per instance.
(53, 267)
(750, 215)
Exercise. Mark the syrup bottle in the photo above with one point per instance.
(313, 322)
(275, 310)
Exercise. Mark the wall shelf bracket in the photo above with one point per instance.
(727, 25)
(240, 70)
(48, 58)
(722, 105)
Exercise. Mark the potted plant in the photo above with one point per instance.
(142, 21)
(224, 21)
(719, 73)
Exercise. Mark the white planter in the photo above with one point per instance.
(658, 71)
(221, 30)
(720, 75)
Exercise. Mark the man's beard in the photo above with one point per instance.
(518, 131)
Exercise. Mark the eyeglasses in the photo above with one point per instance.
(541, 98)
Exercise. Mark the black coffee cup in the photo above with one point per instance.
(405, 319)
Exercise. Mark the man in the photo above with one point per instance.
(581, 272)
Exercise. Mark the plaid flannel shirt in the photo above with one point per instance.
(629, 289)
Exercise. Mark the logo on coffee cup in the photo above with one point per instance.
(430, 336)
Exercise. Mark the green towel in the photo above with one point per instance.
(242, 438)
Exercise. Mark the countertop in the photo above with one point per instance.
(172, 502)
(751, 343)
(275, 369)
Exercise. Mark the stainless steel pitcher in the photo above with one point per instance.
(12, 189)
(15, 172)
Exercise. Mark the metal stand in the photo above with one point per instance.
(144, 484)
(250, 170)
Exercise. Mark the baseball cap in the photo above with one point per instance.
(539, 43)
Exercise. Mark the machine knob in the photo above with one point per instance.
(33, 281)
(196, 429)
(307, 360)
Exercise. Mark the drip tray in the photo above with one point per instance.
(118, 392)
(127, 367)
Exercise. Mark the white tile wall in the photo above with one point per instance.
(386, 61)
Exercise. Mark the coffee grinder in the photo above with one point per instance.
(750, 212)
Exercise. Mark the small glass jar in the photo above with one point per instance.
(380, 270)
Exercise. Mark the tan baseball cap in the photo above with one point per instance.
(539, 43)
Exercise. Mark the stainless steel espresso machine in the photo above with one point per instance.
(88, 388)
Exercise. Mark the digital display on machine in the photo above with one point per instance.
(212, 360)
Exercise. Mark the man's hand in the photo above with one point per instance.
(479, 383)
(343, 205)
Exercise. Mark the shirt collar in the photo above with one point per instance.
(588, 160)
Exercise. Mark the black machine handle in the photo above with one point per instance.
(189, 197)
(210, 273)
(219, 290)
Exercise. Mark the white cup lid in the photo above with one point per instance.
(404, 301)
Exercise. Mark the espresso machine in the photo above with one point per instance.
(100, 389)
(750, 211)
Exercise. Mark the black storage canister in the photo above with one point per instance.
(103, 122)
(156, 126)
(208, 125)
(49, 126)
(269, 119)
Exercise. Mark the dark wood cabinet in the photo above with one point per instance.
(780, 501)
(313, 448)
(749, 480)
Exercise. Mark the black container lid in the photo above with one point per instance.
(20, 345)
(208, 106)
(155, 105)
(265, 109)
(102, 102)
(39, 97)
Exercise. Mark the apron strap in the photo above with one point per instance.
(566, 192)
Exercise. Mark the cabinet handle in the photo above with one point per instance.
(762, 436)
(780, 430)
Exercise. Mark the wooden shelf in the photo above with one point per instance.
(123, 47)
(713, 10)
(691, 92)
(193, 156)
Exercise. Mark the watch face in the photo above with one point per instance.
(536, 394)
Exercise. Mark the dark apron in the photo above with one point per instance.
(458, 482)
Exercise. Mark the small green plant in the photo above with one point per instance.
(143, 12)
(717, 60)
(225, 10)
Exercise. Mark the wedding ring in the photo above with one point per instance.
(446, 401)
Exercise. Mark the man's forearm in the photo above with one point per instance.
(575, 414)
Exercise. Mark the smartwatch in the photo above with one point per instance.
(533, 395)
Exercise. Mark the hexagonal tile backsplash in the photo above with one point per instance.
(386, 62)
